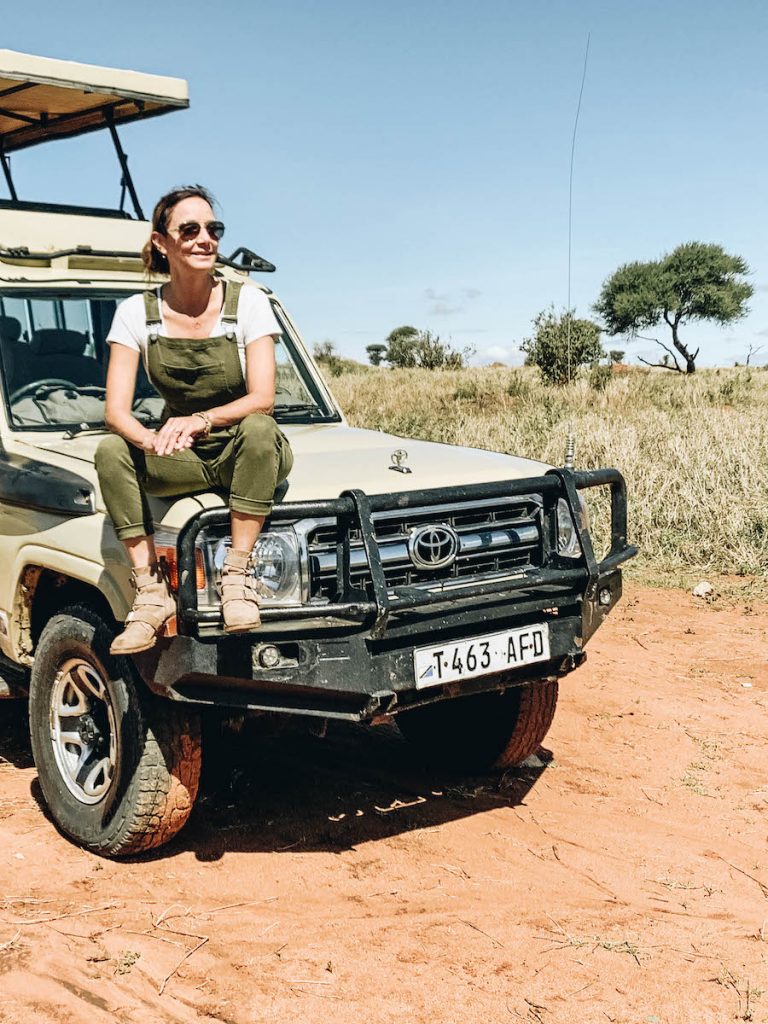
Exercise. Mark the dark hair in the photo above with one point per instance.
(153, 259)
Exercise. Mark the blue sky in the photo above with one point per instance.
(407, 162)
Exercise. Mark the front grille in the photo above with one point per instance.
(497, 536)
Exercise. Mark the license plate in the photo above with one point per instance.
(497, 652)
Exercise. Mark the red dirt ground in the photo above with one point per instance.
(335, 879)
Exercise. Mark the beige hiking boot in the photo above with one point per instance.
(239, 597)
(153, 613)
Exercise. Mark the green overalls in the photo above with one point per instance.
(191, 375)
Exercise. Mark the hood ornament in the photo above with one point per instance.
(398, 458)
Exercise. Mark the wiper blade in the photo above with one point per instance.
(85, 428)
(308, 407)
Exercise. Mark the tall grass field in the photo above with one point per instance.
(693, 449)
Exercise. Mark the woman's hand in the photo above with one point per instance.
(177, 433)
(147, 441)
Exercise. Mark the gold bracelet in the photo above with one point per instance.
(206, 420)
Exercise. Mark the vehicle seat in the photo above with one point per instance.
(57, 352)
(10, 332)
(10, 328)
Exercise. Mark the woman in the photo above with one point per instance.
(208, 349)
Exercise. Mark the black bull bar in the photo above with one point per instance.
(355, 509)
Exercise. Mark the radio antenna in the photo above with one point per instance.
(571, 441)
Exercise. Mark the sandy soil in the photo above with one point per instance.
(335, 879)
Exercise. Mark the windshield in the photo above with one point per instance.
(54, 358)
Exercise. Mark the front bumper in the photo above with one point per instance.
(358, 662)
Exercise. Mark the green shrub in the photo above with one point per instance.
(561, 344)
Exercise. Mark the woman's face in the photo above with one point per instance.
(194, 254)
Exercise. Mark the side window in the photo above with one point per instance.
(75, 317)
(43, 313)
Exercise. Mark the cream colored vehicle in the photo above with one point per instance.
(449, 588)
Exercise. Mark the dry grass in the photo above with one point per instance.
(694, 451)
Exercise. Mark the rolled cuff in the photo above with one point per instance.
(133, 530)
(249, 506)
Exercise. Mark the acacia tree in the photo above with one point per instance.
(376, 354)
(697, 281)
(401, 346)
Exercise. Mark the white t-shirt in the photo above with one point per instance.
(254, 319)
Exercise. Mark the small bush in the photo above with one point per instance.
(600, 376)
(561, 344)
(735, 390)
(333, 364)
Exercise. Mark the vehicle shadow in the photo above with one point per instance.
(275, 793)
(15, 748)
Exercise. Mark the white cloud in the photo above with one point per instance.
(498, 354)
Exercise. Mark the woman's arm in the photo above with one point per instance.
(121, 386)
(260, 381)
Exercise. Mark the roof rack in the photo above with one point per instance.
(43, 99)
(241, 259)
(82, 211)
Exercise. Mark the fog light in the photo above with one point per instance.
(269, 656)
(604, 597)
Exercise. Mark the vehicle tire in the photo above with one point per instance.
(119, 768)
(484, 731)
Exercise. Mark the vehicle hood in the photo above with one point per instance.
(337, 458)
(331, 458)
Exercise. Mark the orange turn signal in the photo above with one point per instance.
(167, 558)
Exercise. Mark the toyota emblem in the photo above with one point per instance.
(433, 546)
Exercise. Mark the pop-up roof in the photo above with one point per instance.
(42, 99)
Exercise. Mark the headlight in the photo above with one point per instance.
(567, 538)
(276, 566)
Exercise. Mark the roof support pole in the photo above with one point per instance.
(8, 177)
(127, 179)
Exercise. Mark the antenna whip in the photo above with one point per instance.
(570, 202)
(570, 444)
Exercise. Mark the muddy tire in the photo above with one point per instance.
(485, 731)
(118, 767)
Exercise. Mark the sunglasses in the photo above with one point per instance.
(191, 229)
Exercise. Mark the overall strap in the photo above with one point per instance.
(152, 313)
(229, 311)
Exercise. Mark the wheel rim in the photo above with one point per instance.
(83, 732)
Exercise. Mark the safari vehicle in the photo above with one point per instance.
(446, 588)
